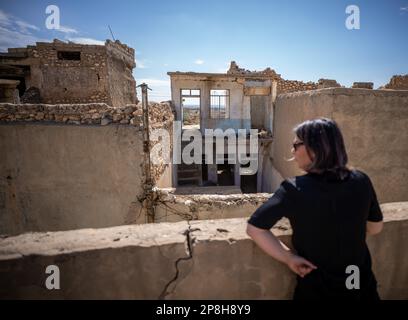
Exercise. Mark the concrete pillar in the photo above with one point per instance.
(8, 91)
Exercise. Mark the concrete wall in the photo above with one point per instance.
(212, 259)
(61, 177)
(374, 124)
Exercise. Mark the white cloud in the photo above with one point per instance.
(5, 19)
(13, 39)
(199, 61)
(404, 8)
(80, 40)
(140, 65)
(9, 21)
(15, 32)
(66, 29)
(24, 26)
(160, 89)
(155, 82)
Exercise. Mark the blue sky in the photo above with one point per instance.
(301, 40)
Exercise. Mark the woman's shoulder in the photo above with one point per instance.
(297, 182)
(357, 174)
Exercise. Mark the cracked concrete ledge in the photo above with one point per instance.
(64, 242)
(208, 259)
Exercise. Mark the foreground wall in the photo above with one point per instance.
(374, 124)
(211, 259)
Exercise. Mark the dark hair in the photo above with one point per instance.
(324, 138)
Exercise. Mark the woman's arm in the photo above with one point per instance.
(374, 227)
(273, 247)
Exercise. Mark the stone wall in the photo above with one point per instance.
(120, 63)
(294, 86)
(76, 73)
(73, 166)
(69, 81)
(211, 259)
(374, 124)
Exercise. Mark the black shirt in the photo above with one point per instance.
(328, 218)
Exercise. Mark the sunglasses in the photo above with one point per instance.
(297, 145)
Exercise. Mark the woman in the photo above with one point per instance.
(331, 209)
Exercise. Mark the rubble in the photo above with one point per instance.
(327, 83)
(397, 82)
(31, 95)
(363, 85)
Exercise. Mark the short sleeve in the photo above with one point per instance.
(375, 213)
(272, 210)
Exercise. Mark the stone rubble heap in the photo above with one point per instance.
(398, 82)
(285, 86)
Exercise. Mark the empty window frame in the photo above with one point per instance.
(190, 102)
(219, 108)
(69, 55)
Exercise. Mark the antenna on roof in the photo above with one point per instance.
(111, 33)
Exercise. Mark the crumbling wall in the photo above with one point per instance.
(282, 84)
(399, 82)
(294, 85)
(120, 63)
(239, 104)
(171, 260)
(69, 81)
(171, 207)
(161, 116)
(374, 124)
(76, 73)
(73, 166)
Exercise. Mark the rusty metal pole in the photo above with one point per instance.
(148, 187)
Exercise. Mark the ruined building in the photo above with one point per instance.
(237, 99)
(60, 72)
